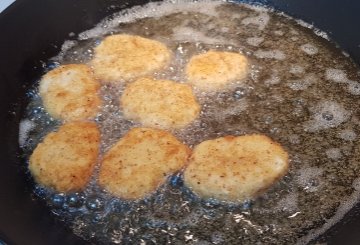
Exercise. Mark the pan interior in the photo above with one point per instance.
(302, 91)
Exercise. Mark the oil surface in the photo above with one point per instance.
(302, 92)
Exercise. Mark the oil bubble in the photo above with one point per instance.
(94, 203)
(57, 200)
(328, 116)
(75, 200)
(176, 181)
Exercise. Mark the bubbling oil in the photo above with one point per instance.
(301, 91)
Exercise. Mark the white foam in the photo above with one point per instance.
(235, 110)
(315, 30)
(348, 135)
(306, 176)
(326, 114)
(153, 9)
(289, 203)
(299, 85)
(25, 128)
(189, 34)
(273, 80)
(296, 69)
(277, 98)
(294, 139)
(321, 33)
(336, 75)
(333, 153)
(67, 45)
(302, 84)
(353, 87)
(261, 20)
(258, 8)
(339, 76)
(304, 24)
(271, 54)
(309, 49)
(254, 41)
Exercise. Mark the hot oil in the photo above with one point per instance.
(301, 91)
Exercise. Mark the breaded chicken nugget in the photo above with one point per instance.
(140, 162)
(65, 159)
(159, 103)
(70, 92)
(235, 168)
(126, 57)
(213, 70)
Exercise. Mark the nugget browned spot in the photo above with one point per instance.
(70, 92)
(213, 70)
(159, 103)
(126, 57)
(65, 159)
(141, 161)
(235, 168)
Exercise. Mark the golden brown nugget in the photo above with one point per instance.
(70, 92)
(159, 103)
(213, 70)
(235, 168)
(65, 159)
(140, 162)
(127, 57)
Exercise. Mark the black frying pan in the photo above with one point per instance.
(32, 31)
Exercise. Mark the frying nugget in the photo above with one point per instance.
(235, 168)
(126, 57)
(140, 162)
(159, 103)
(213, 70)
(65, 159)
(70, 92)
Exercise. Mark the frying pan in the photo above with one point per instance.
(31, 31)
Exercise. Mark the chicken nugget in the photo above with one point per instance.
(65, 159)
(213, 70)
(159, 103)
(70, 92)
(235, 168)
(126, 57)
(140, 162)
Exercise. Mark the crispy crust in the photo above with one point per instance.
(139, 162)
(65, 159)
(70, 92)
(213, 70)
(126, 57)
(235, 168)
(159, 103)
